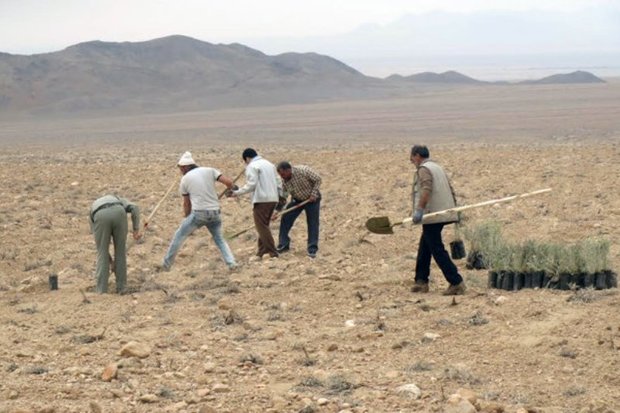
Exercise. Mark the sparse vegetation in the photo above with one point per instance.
(251, 358)
(460, 375)
(420, 366)
(338, 384)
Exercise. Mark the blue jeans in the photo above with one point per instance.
(312, 219)
(195, 220)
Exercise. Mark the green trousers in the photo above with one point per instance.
(111, 223)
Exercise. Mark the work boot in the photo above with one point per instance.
(458, 289)
(419, 287)
(282, 248)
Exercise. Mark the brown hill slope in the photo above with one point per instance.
(578, 76)
(171, 73)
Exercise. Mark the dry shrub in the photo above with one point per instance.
(460, 375)
(251, 358)
(310, 381)
(338, 384)
(420, 366)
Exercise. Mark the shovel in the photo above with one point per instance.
(144, 227)
(234, 180)
(382, 225)
(286, 211)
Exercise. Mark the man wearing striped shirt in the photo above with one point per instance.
(301, 183)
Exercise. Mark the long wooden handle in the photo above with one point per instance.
(234, 180)
(286, 211)
(146, 221)
(480, 204)
(299, 205)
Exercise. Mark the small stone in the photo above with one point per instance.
(203, 392)
(13, 395)
(209, 367)
(109, 372)
(177, 407)
(500, 300)
(332, 347)
(349, 323)
(410, 390)
(468, 395)
(457, 404)
(322, 401)
(135, 349)
(220, 388)
(148, 398)
(429, 337)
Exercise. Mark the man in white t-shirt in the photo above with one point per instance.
(201, 208)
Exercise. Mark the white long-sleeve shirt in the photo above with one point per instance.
(261, 178)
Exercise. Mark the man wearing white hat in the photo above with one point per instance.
(201, 208)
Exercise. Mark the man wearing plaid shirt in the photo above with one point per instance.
(302, 183)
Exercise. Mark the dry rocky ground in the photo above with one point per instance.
(341, 333)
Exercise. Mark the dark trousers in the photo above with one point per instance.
(262, 217)
(312, 219)
(432, 245)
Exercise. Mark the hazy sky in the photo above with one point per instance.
(35, 26)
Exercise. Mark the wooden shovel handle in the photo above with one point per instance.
(234, 180)
(146, 221)
(481, 204)
(299, 205)
(286, 211)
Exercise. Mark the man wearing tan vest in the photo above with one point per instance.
(432, 192)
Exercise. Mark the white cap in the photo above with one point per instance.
(186, 159)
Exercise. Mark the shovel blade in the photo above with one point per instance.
(379, 225)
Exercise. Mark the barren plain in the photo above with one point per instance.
(341, 333)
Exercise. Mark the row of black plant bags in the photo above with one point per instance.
(512, 281)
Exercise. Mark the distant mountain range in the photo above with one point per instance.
(452, 77)
(178, 73)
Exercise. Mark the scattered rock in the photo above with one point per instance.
(148, 398)
(220, 388)
(468, 395)
(430, 337)
(332, 347)
(135, 349)
(500, 300)
(410, 390)
(349, 323)
(109, 372)
(209, 367)
(322, 401)
(457, 404)
(177, 407)
(203, 392)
